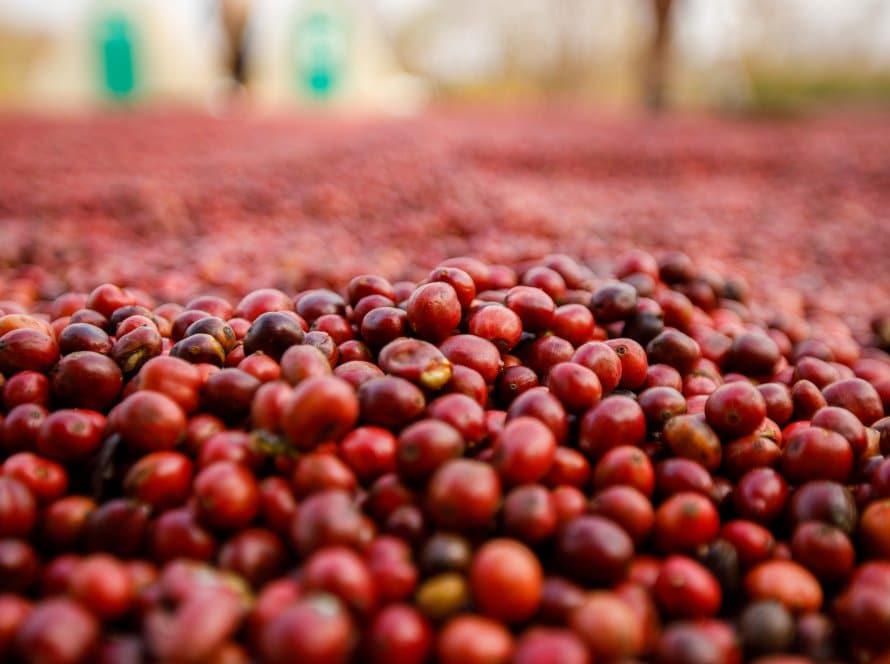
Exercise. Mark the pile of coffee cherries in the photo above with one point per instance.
(549, 462)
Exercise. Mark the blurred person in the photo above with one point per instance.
(659, 52)
(235, 14)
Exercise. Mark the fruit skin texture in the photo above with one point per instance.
(27, 349)
(875, 528)
(617, 420)
(690, 438)
(608, 626)
(735, 409)
(58, 631)
(470, 639)
(18, 509)
(857, 396)
(417, 361)
(686, 589)
(160, 479)
(315, 629)
(594, 549)
(863, 608)
(684, 522)
(227, 496)
(524, 451)
(399, 633)
(434, 311)
(506, 579)
(69, 435)
(87, 380)
(102, 584)
(541, 645)
(319, 409)
(390, 402)
(576, 386)
(786, 582)
(817, 454)
(150, 421)
(463, 494)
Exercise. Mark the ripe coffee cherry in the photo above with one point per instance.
(603, 361)
(69, 435)
(149, 421)
(368, 284)
(735, 409)
(82, 336)
(539, 403)
(574, 323)
(27, 349)
(316, 628)
(684, 522)
(752, 354)
(173, 377)
(390, 402)
(506, 577)
(594, 550)
(417, 361)
(857, 396)
(688, 437)
(529, 513)
(785, 582)
(498, 324)
(613, 302)
(259, 301)
(471, 638)
(399, 633)
(273, 333)
(576, 386)
(686, 589)
(85, 379)
(434, 311)
(320, 409)
(160, 479)
(817, 454)
(609, 626)
(227, 496)
(463, 494)
(461, 412)
(425, 446)
(475, 353)
(329, 518)
(313, 304)
(524, 451)
(58, 630)
(633, 362)
(534, 307)
(342, 573)
(627, 507)
(617, 420)
(674, 349)
(103, 585)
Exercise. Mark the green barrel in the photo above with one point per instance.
(116, 48)
(320, 48)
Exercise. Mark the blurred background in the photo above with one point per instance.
(397, 55)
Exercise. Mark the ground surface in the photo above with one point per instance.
(184, 203)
